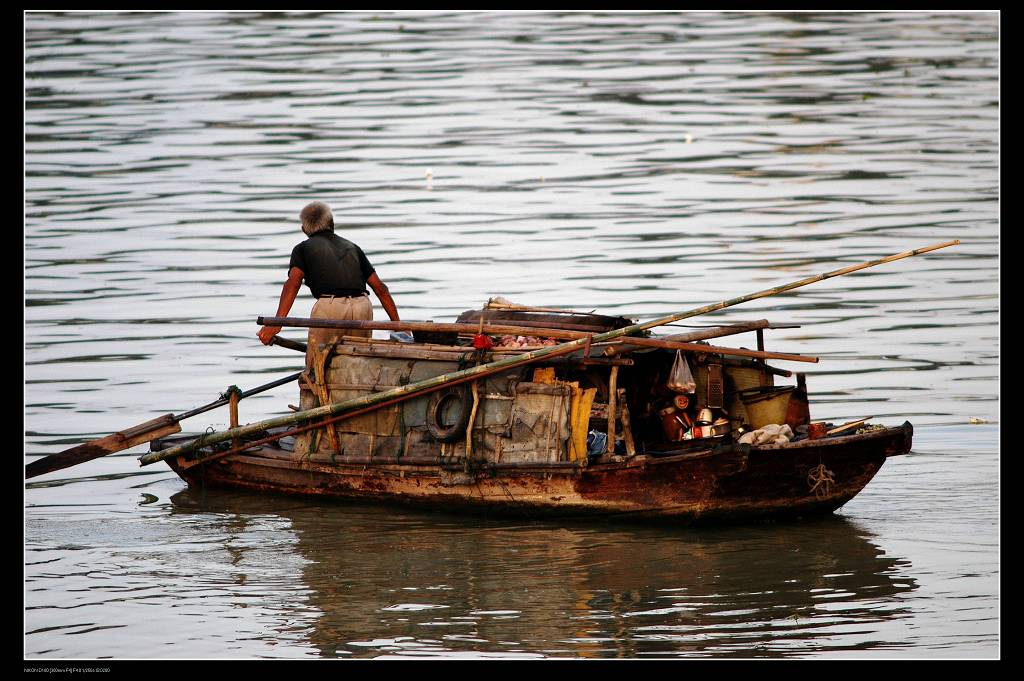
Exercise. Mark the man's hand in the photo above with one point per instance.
(267, 333)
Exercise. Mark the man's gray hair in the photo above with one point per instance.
(317, 217)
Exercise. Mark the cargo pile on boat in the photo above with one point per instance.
(732, 401)
(524, 342)
(761, 412)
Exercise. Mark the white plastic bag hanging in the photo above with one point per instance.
(681, 378)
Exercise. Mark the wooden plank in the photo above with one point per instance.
(319, 378)
(116, 442)
(847, 426)
(613, 394)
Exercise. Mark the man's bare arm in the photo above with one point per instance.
(288, 294)
(384, 295)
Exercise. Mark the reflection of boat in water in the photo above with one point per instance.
(398, 582)
(517, 443)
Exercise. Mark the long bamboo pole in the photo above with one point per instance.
(494, 305)
(436, 382)
(689, 337)
(716, 349)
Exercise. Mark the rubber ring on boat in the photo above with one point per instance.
(443, 402)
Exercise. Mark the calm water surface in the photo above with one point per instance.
(634, 164)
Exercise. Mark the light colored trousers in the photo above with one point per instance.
(358, 308)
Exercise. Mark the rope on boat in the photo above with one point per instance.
(209, 431)
(226, 395)
(821, 480)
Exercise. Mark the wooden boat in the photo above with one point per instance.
(520, 445)
(439, 423)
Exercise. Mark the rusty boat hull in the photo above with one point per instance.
(728, 483)
(579, 436)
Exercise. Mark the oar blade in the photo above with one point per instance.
(124, 439)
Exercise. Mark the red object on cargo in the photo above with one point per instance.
(816, 431)
(482, 341)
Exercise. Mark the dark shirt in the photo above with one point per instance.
(332, 266)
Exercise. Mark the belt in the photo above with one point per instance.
(360, 295)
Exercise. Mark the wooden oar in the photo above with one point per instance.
(168, 424)
(290, 344)
(435, 383)
(124, 439)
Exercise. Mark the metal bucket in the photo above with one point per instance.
(766, 405)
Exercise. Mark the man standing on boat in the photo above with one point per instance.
(337, 273)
